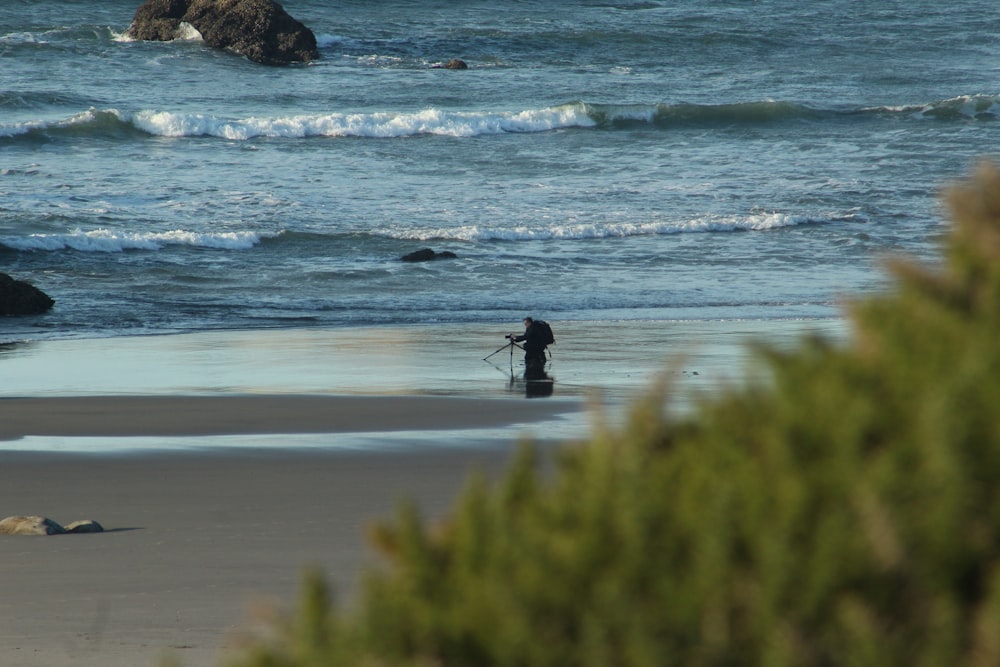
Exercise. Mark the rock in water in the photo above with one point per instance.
(19, 298)
(158, 20)
(427, 255)
(454, 63)
(260, 30)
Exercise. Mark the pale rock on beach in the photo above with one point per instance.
(40, 525)
(30, 525)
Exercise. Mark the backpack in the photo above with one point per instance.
(546, 330)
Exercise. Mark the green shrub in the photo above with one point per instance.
(843, 512)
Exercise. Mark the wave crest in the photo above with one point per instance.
(669, 115)
(376, 125)
(434, 121)
(962, 107)
(104, 240)
(754, 222)
(93, 122)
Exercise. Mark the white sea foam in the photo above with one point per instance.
(755, 222)
(376, 125)
(387, 124)
(105, 240)
(23, 38)
(187, 33)
(434, 121)
(19, 128)
(968, 106)
(326, 41)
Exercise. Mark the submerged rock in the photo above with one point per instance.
(427, 255)
(20, 298)
(454, 63)
(261, 30)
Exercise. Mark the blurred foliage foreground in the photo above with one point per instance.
(846, 512)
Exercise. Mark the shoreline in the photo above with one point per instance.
(368, 385)
(230, 415)
(222, 465)
(594, 365)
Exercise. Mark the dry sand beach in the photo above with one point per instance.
(223, 464)
(194, 542)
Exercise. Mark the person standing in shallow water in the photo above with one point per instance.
(534, 344)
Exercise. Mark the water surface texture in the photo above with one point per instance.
(598, 161)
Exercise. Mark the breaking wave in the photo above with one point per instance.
(376, 125)
(110, 241)
(104, 240)
(756, 222)
(434, 121)
(963, 107)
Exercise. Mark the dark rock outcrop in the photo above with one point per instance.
(454, 63)
(427, 255)
(260, 30)
(158, 20)
(19, 298)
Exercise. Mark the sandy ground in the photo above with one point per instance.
(186, 416)
(194, 543)
(216, 502)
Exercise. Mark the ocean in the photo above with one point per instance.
(654, 161)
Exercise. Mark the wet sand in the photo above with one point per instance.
(189, 416)
(199, 533)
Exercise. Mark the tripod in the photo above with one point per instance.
(510, 345)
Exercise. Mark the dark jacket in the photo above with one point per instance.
(534, 341)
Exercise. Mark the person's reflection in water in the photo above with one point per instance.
(537, 383)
